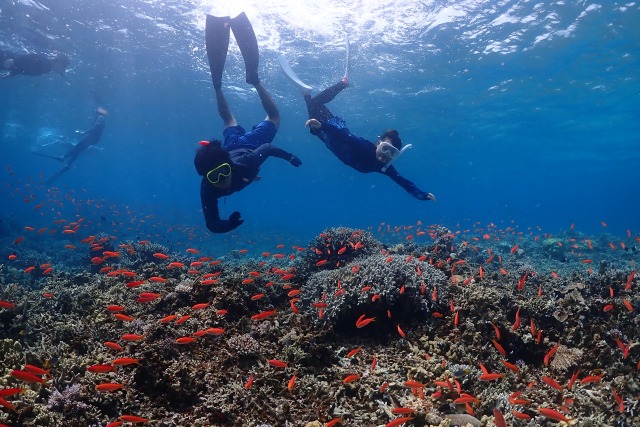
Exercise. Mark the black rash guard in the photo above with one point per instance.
(245, 166)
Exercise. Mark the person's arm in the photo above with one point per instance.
(211, 213)
(260, 154)
(409, 186)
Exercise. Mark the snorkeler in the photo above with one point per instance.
(31, 64)
(359, 153)
(88, 138)
(230, 166)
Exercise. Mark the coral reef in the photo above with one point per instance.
(440, 328)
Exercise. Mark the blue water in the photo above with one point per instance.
(521, 114)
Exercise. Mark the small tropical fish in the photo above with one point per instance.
(263, 315)
(132, 337)
(398, 422)
(28, 377)
(100, 369)
(277, 363)
(123, 361)
(350, 378)
(133, 419)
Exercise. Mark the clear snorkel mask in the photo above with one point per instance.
(390, 151)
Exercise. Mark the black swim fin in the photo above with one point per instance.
(217, 42)
(248, 44)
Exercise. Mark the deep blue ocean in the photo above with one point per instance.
(521, 114)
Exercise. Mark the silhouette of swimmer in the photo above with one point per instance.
(31, 64)
(88, 138)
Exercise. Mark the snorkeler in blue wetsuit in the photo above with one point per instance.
(88, 138)
(31, 64)
(230, 166)
(359, 153)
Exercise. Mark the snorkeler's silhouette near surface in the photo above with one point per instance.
(31, 64)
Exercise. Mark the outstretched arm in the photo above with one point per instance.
(211, 213)
(409, 186)
(260, 154)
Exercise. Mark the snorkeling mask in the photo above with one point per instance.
(388, 149)
(214, 176)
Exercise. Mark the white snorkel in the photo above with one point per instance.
(395, 153)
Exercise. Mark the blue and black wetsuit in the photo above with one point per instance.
(359, 153)
(247, 152)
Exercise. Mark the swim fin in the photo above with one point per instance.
(348, 61)
(284, 64)
(217, 42)
(248, 44)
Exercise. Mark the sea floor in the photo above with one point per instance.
(413, 326)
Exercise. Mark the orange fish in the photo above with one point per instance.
(277, 363)
(99, 369)
(27, 377)
(123, 361)
(185, 340)
(398, 422)
(350, 378)
(263, 315)
(133, 419)
(113, 346)
(132, 337)
(554, 415)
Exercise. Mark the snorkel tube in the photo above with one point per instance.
(397, 154)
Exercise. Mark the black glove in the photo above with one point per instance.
(295, 160)
(234, 220)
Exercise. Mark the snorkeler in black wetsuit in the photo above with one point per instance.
(87, 138)
(359, 153)
(32, 64)
(229, 166)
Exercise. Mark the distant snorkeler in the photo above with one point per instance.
(359, 153)
(88, 138)
(230, 166)
(31, 64)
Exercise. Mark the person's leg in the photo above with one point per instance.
(316, 104)
(269, 105)
(217, 42)
(248, 44)
(223, 109)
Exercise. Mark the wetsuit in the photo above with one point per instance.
(247, 151)
(352, 150)
(31, 64)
